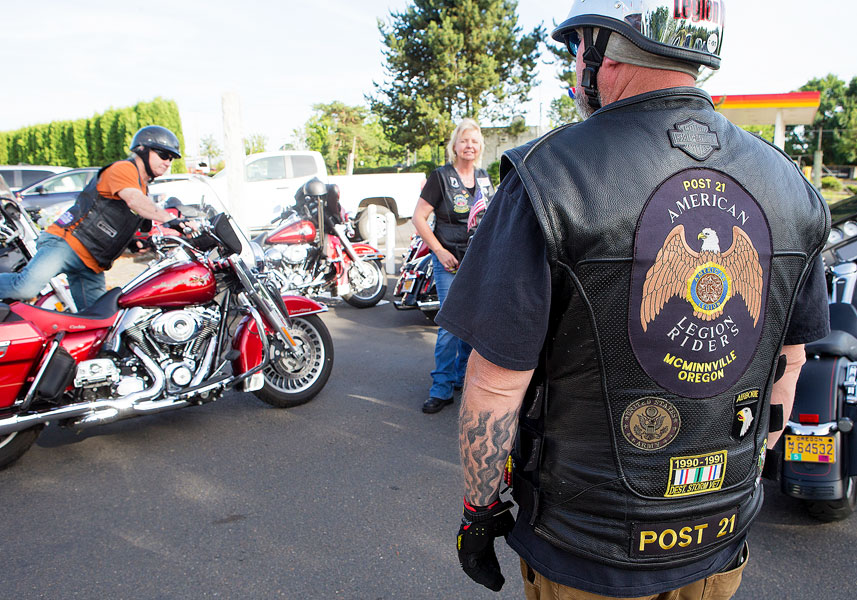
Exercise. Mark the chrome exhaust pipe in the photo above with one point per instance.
(132, 405)
(101, 411)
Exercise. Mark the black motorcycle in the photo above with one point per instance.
(819, 446)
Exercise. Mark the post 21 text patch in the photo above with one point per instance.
(699, 283)
(675, 537)
(690, 475)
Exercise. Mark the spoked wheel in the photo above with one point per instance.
(293, 380)
(368, 283)
(835, 510)
(13, 445)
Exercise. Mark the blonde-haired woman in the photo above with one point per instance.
(457, 193)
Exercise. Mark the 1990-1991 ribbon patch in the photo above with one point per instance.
(699, 282)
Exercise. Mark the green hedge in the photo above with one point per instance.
(831, 183)
(92, 142)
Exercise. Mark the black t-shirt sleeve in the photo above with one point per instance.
(500, 297)
(810, 317)
(432, 191)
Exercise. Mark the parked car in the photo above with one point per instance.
(20, 176)
(55, 193)
(272, 178)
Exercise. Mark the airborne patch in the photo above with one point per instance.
(690, 475)
(747, 396)
(650, 423)
(699, 283)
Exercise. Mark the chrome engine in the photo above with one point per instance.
(298, 268)
(181, 342)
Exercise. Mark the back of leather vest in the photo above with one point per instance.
(677, 244)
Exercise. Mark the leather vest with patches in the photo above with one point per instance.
(451, 225)
(677, 243)
(104, 226)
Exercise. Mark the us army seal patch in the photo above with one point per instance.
(699, 283)
(650, 423)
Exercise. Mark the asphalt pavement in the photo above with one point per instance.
(356, 494)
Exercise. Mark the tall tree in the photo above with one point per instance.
(256, 142)
(836, 121)
(562, 109)
(209, 147)
(337, 130)
(447, 59)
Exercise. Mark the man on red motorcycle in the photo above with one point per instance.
(86, 239)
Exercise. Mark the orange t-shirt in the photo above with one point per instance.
(115, 178)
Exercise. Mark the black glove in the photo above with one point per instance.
(479, 526)
(139, 244)
(179, 224)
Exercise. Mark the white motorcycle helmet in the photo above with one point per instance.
(689, 31)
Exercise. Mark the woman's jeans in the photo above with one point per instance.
(53, 256)
(450, 353)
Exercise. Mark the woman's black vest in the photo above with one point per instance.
(451, 225)
(104, 226)
(677, 243)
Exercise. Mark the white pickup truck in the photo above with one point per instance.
(272, 178)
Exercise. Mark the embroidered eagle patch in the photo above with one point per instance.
(699, 283)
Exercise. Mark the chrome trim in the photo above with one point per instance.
(98, 412)
(819, 430)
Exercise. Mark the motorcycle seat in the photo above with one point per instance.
(99, 315)
(838, 343)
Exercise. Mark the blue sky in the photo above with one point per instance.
(67, 60)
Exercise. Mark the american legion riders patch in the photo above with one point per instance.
(699, 283)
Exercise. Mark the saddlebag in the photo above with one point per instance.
(851, 439)
(58, 376)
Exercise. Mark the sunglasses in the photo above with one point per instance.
(164, 155)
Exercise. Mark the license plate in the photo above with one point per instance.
(810, 448)
(408, 285)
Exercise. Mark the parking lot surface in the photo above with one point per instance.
(354, 495)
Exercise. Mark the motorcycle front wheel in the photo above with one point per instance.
(835, 510)
(368, 284)
(291, 381)
(13, 445)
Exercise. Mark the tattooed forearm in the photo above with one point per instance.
(487, 425)
(486, 438)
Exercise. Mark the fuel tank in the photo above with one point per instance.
(182, 284)
(293, 232)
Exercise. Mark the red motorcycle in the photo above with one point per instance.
(311, 253)
(415, 287)
(181, 333)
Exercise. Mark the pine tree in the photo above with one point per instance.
(448, 59)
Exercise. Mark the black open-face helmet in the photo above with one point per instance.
(690, 31)
(158, 138)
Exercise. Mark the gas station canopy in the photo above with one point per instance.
(795, 108)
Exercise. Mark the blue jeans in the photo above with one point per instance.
(54, 256)
(450, 353)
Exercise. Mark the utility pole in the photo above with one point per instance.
(817, 162)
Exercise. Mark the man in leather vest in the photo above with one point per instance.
(637, 297)
(86, 239)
